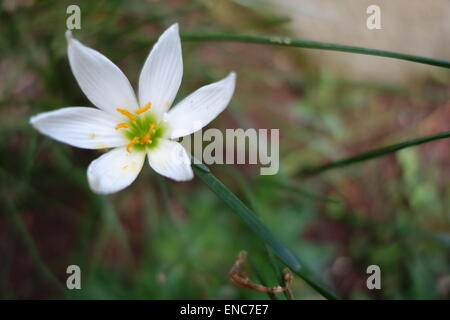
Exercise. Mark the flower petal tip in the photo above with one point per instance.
(174, 27)
(33, 120)
(189, 176)
(69, 35)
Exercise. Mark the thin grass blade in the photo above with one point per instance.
(289, 42)
(250, 219)
(374, 153)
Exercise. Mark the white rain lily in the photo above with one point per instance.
(134, 127)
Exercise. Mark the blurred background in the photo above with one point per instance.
(163, 240)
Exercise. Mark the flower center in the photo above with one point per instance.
(142, 129)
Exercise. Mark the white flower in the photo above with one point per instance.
(134, 127)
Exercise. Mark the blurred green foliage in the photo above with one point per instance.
(163, 240)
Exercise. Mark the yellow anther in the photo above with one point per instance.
(123, 125)
(127, 113)
(148, 135)
(132, 142)
(143, 109)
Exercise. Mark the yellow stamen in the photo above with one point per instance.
(143, 109)
(123, 125)
(127, 113)
(132, 142)
(148, 135)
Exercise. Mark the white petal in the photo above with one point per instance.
(170, 159)
(100, 79)
(81, 127)
(162, 72)
(200, 108)
(115, 170)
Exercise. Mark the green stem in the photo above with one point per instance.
(374, 153)
(289, 42)
(258, 227)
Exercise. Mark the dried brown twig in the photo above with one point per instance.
(240, 278)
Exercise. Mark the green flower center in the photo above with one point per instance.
(142, 130)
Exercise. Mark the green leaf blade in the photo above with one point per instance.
(250, 219)
(374, 153)
(289, 42)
